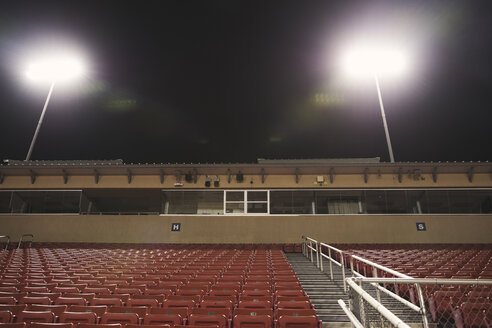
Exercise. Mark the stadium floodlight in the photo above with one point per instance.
(375, 60)
(52, 69)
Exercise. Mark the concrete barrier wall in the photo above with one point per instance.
(250, 229)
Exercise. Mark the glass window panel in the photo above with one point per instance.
(281, 202)
(5, 198)
(481, 201)
(257, 196)
(339, 202)
(123, 201)
(193, 202)
(459, 201)
(235, 196)
(396, 201)
(235, 208)
(257, 208)
(376, 201)
(416, 202)
(437, 201)
(46, 202)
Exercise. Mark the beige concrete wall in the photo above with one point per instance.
(250, 229)
(271, 181)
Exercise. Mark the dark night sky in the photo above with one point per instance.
(232, 81)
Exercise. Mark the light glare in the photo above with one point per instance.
(374, 60)
(55, 68)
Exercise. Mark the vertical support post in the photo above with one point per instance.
(342, 261)
(422, 306)
(311, 248)
(321, 257)
(317, 254)
(331, 264)
(352, 265)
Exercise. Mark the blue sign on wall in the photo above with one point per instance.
(421, 226)
(175, 226)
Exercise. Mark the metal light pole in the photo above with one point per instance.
(54, 68)
(40, 121)
(386, 131)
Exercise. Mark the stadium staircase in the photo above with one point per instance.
(323, 293)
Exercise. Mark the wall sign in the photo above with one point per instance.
(421, 226)
(176, 227)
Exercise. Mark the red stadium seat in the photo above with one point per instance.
(15, 309)
(8, 300)
(287, 321)
(163, 319)
(141, 311)
(148, 326)
(142, 302)
(294, 312)
(50, 325)
(123, 318)
(99, 310)
(35, 316)
(6, 316)
(255, 305)
(56, 309)
(91, 325)
(13, 325)
(252, 321)
(207, 320)
(219, 311)
(189, 304)
(35, 300)
(294, 305)
(78, 317)
(70, 301)
(106, 301)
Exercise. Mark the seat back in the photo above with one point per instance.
(122, 318)
(206, 320)
(150, 302)
(78, 317)
(8, 300)
(99, 310)
(106, 301)
(35, 316)
(70, 301)
(252, 321)
(287, 321)
(56, 309)
(162, 319)
(6, 316)
(35, 300)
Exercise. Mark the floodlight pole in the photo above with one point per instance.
(386, 131)
(40, 121)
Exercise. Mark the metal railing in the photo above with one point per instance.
(405, 289)
(437, 285)
(332, 260)
(8, 241)
(22, 239)
(312, 248)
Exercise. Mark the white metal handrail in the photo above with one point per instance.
(375, 267)
(8, 241)
(387, 314)
(309, 245)
(22, 237)
(353, 319)
(378, 266)
(332, 260)
(426, 281)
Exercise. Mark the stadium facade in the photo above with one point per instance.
(270, 201)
